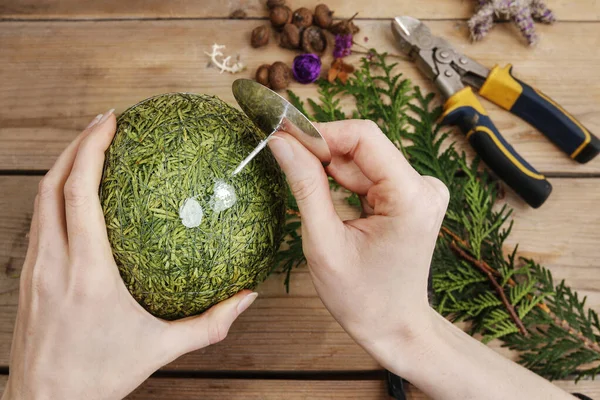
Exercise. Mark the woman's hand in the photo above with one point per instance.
(79, 334)
(371, 273)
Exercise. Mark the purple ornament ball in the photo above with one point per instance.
(306, 68)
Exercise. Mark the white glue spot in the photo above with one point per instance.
(191, 213)
(224, 196)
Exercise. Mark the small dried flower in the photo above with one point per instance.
(339, 70)
(306, 68)
(343, 46)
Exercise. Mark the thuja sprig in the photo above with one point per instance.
(503, 297)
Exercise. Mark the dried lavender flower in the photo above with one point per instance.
(343, 46)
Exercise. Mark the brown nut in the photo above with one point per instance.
(314, 40)
(345, 27)
(280, 16)
(323, 16)
(302, 18)
(290, 37)
(238, 14)
(279, 76)
(275, 3)
(260, 36)
(262, 75)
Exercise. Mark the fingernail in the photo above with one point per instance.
(281, 149)
(106, 116)
(246, 302)
(94, 121)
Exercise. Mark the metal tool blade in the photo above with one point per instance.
(412, 35)
(272, 113)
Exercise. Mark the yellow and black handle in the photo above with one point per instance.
(503, 89)
(464, 110)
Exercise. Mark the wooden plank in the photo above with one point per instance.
(51, 90)
(181, 389)
(288, 332)
(582, 10)
(177, 389)
(248, 389)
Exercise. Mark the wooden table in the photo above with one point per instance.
(64, 61)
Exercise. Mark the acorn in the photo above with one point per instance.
(279, 76)
(290, 37)
(314, 40)
(260, 36)
(302, 18)
(280, 16)
(262, 75)
(238, 14)
(323, 16)
(345, 27)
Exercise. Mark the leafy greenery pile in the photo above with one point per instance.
(503, 297)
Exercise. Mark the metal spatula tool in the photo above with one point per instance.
(272, 113)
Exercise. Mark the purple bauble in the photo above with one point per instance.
(306, 68)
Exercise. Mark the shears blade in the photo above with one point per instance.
(412, 35)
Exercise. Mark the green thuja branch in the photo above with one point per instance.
(291, 256)
(503, 297)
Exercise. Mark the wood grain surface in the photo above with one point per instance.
(50, 90)
(287, 332)
(64, 61)
(581, 10)
(262, 389)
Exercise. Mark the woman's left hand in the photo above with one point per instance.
(79, 334)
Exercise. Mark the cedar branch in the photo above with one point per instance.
(509, 307)
(488, 270)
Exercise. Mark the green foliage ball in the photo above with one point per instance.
(168, 158)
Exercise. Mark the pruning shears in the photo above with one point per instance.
(451, 71)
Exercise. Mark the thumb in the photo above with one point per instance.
(210, 327)
(308, 182)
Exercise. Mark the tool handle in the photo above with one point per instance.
(395, 385)
(533, 106)
(464, 110)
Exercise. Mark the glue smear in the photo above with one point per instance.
(224, 196)
(191, 213)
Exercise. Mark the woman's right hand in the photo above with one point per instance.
(371, 273)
